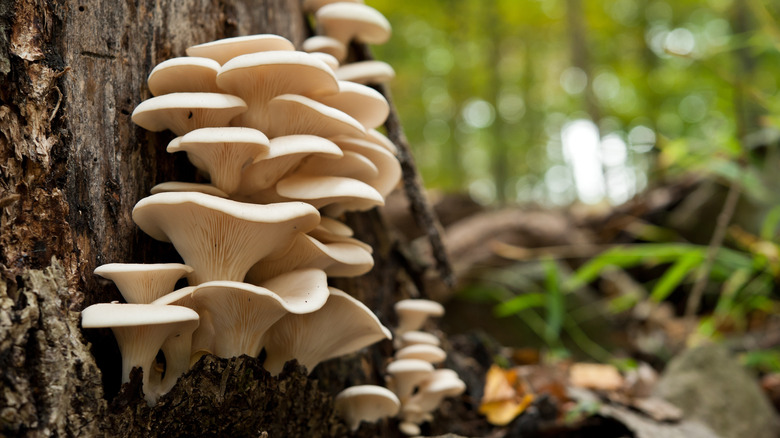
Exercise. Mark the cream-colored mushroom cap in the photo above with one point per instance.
(140, 331)
(442, 383)
(346, 21)
(351, 165)
(184, 74)
(180, 186)
(336, 227)
(286, 153)
(184, 112)
(222, 153)
(413, 313)
(329, 60)
(326, 236)
(342, 326)
(409, 428)
(143, 283)
(368, 403)
(321, 191)
(259, 77)
(415, 337)
(228, 48)
(241, 313)
(339, 259)
(366, 105)
(428, 353)
(366, 72)
(292, 114)
(388, 167)
(323, 44)
(221, 238)
(407, 374)
(313, 5)
(203, 336)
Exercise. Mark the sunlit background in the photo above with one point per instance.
(557, 101)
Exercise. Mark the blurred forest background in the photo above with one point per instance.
(651, 126)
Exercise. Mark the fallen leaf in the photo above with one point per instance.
(595, 376)
(505, 397)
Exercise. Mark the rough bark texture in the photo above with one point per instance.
(72, 166)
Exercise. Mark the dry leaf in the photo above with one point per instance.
(505, 396)
(595, 376)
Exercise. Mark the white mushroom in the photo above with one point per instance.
(366, 72)
(291, 114)
(184, 112)
(323, 44)
(221, 239)
(342, 326)
(346, 21)
(143, 283)
(428, 353)
(413, 313)
(185, 74)
(408, 374)
(140, 331)
(365, 403)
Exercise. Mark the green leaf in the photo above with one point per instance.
(520, 303)
(771, 221)
(676, 274)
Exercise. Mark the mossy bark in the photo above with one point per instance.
(72, 166)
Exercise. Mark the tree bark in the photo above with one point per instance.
(72, 166)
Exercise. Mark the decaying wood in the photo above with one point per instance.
(72, 166)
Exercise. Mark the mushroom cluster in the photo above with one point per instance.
(340, 22)
(287, 147)
(412, 376)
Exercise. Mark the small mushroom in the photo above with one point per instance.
(321, 191)
(388, 167)
(323, 44)
(365, 403)
(222, 153)
(140, 331)
(228, 48)
(184, 112)
(366, 72)
(366, 105)
(408, 374)
(259, 77)
(345, 21)
(415, 337)
(143, 283)
(413, 313)
(429, 353)
(292, 114)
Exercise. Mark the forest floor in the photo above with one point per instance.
(544, 355)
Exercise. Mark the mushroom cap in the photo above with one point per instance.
(413, 313)
(346, 21)
(221, 238)
(313, 5)
(365, 403)
(388, 166)
(326, 236)
(179, 186)
(416, 337)
(324, 44)
(105, 315)
(286, 152)
(407, 374)
(227, 48)
(203, 336)
(336, 259)
(259, 77)
(442, 383)
(426, 352)
(342, 326)
(336, 227)
(321, 191)
(366, 105)
(184, 74)
(241, 313)
(143, 283)
(222, 153)
(328, 59)
(366, 72)
(292, 114)
(184, 112)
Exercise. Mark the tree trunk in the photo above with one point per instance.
(72, 166)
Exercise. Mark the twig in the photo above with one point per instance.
(724, 218)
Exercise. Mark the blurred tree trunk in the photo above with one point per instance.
(72, 166)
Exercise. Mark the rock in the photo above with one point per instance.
(710, 386)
